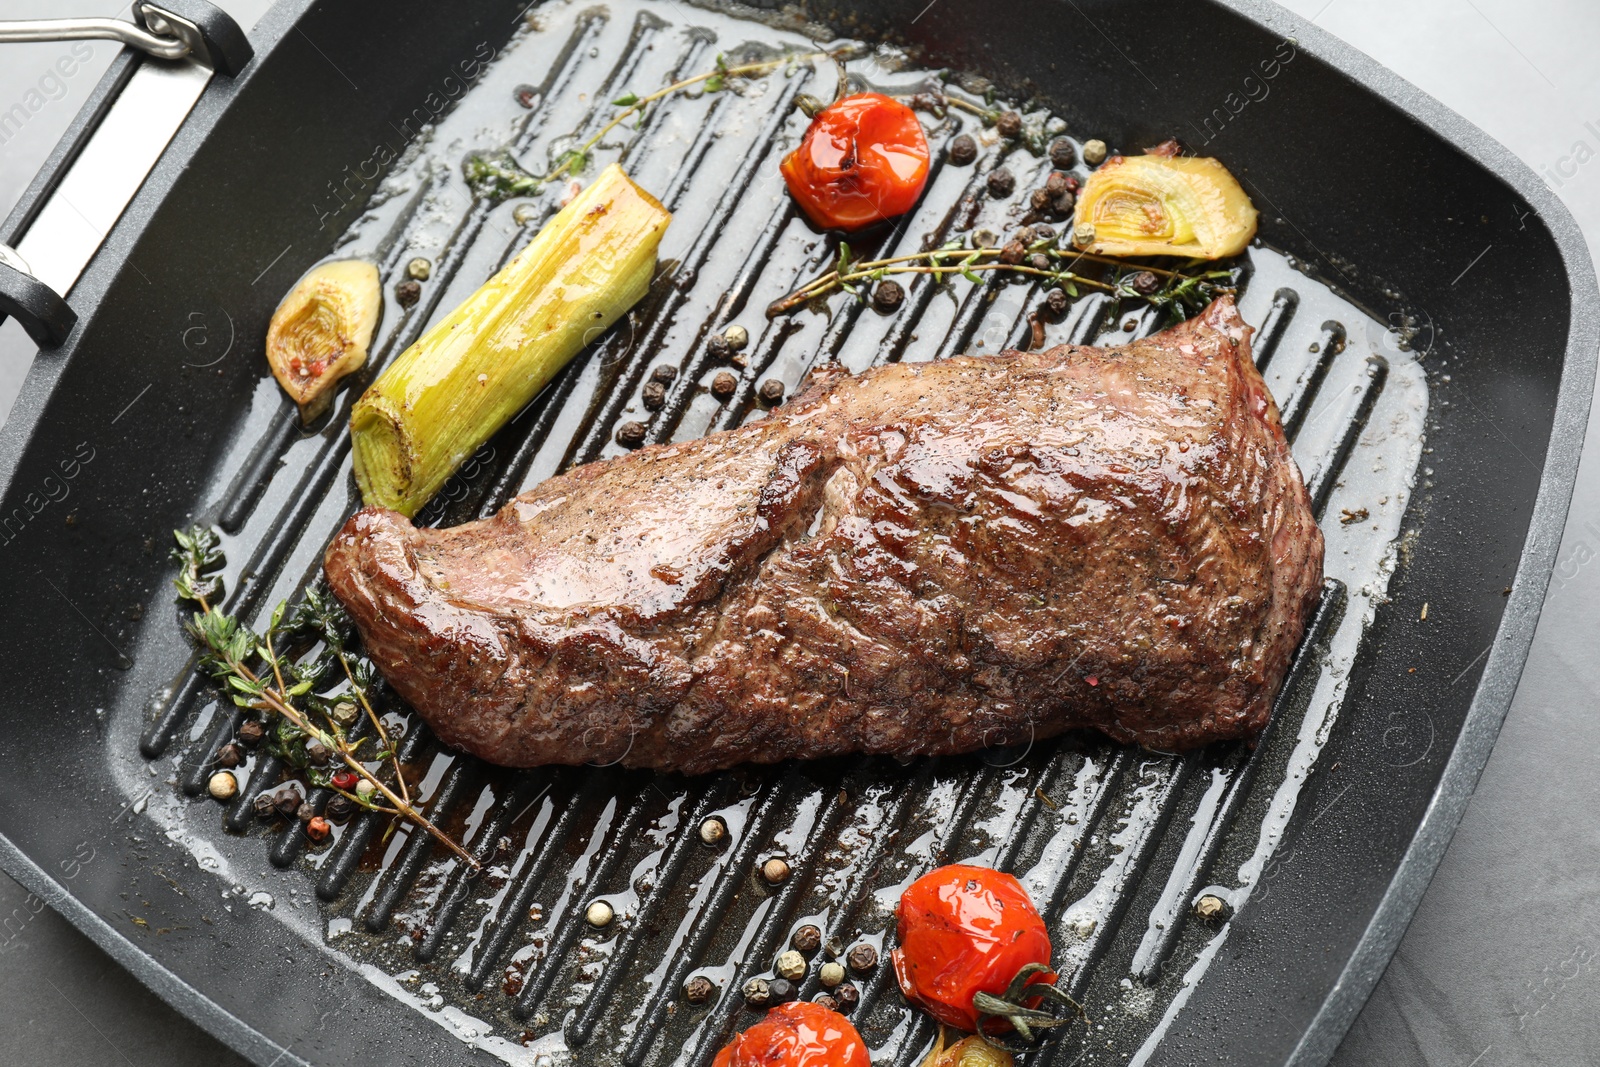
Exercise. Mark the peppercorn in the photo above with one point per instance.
(1211, 908)
(737, 337)
(318, 829)
(771, 392)
(963, 150)
(790, 965)
(1040, 200)
(713, 831)
(717, 347)
(1062, 153)
(888, 295)
(1083, 234)
(775, 870)
(1145, 283)
(665, 373)
(848, 997)
(230, 755)
(724, 385)
(1012, 253)
(757, 992)
(365, 788)
(317, 753)
(631, 434)
(826, 1000)
(407, 292)
(223, 785)
(340, 809)
(287, 801)
(599, 914)
(1056, 184)
(806, 939)
(345, 780)
(263, 806)
(780, 990)
(1023, 234)
(1041, 232)
(305, 812)
(830, 974)
(1001, 183)
(1130, 325)
(1039, 261)
(862, 958)
(1094, 152)
(1063, 204)
(344, 713)
(419, 269)
(654, 395)
(1055, 301)
(1009, 124)
(251, 731)
(698, 989)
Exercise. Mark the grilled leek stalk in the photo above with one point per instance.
(1164, 205)
(465, 378)
(321, 330)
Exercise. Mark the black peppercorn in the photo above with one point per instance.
(407, 292)
(1042, 232)
(631, 434)
(230, 755)
(1009, 124)
(724, 385)
(1055, 301)
(341, 808)
(665, 373)
(1063, 154)
(1001, 183)
(1064, 204)
(1056, 184)
(1039, 200)
(305, 812)
(848, 997)
(251, 731)
(807, 939)
(698, 989)
(1039, 261)
(1012, 253)
(263, 806)
(780, 990)
(771, 392)
(888, 295)
(827, 1000)
(317, 753)
(654, 395)
(963, 150)
(287, 801)
(861, 958)
(717, 346)
(1145, 283)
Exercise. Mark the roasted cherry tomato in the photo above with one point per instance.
(862, 159)
(797, 1034)
(964, 931)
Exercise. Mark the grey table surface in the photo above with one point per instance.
(1502, 962)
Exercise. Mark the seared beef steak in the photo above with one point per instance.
(928, 557)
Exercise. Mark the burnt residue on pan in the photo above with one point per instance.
(1116, 845)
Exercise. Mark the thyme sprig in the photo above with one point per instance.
(257, 673)
(1178, 292)
(497, 176)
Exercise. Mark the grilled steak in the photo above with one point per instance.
(924, 558)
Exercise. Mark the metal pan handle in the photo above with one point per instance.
(190, 33)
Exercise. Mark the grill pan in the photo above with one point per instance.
(1426, 319)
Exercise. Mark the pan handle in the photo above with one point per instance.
(199, 41)
(171, 29)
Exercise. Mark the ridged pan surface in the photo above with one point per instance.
(1115, 844)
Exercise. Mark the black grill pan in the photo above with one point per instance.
(1403, 255)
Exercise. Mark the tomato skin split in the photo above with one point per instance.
(862, 160)
(797, 1034)
(966, 930)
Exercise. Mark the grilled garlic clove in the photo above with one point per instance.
(321, 331)
(1160, 204)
